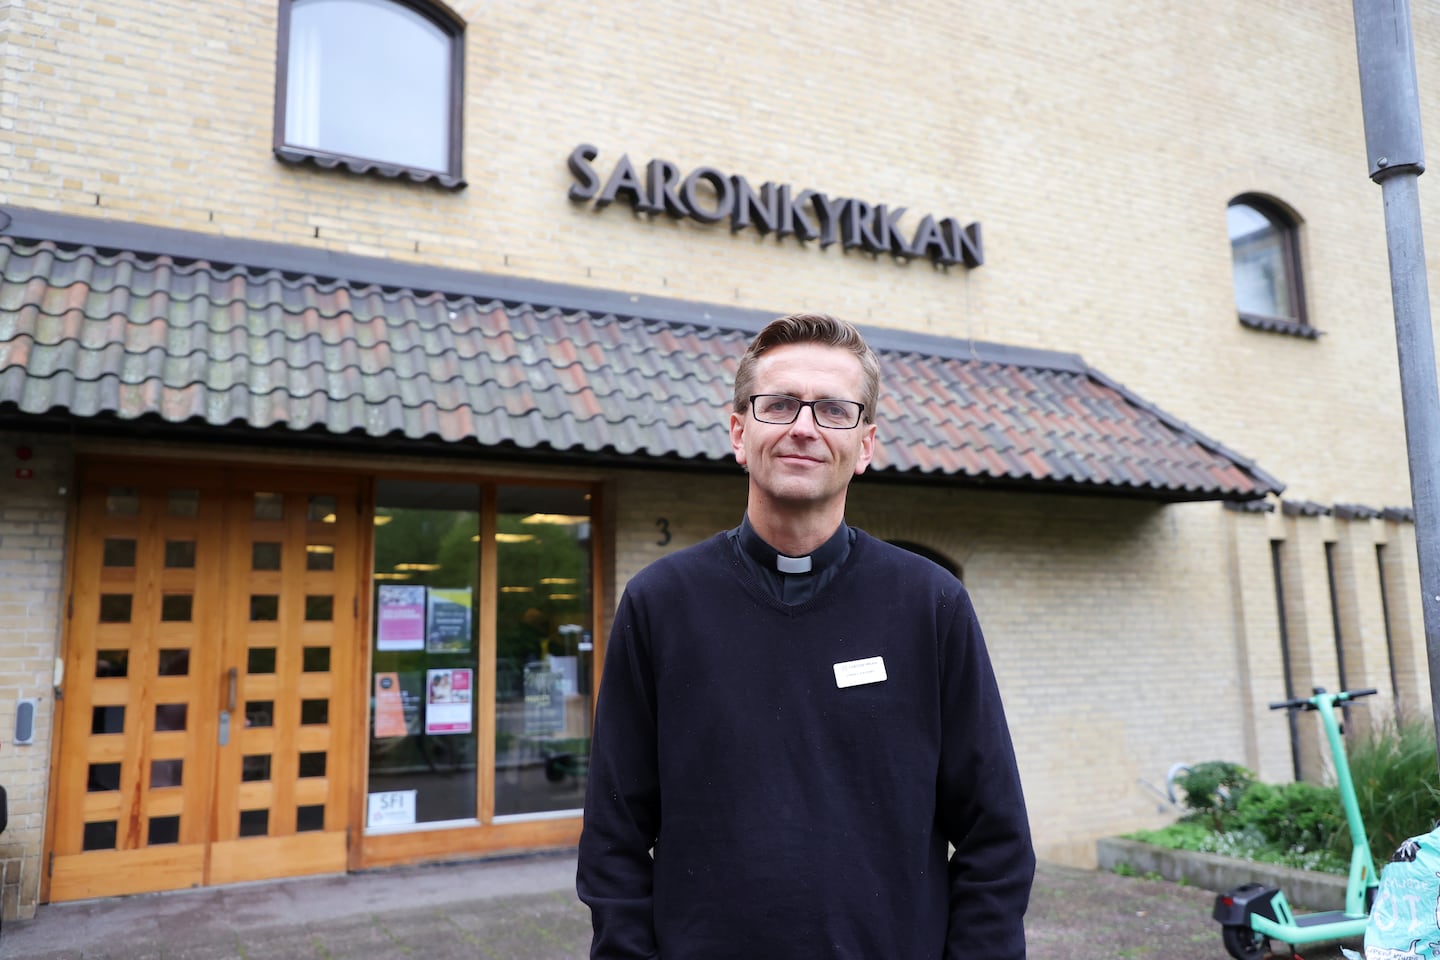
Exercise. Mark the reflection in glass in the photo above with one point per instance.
(174, 663)
(369, 79)
(543, 664)
(264, 607)
(176, 607)
(183, 503)
(430, 529)
(103, 778)
(170, 716)
(99, 835)
(254, 823)
(264, 556)
(164, 830)
(260, 660)
(180, 554)
(312, 764)
(259, 713)
(122, 502)
(105, 720)
(321, 508)
(1261, 263)
(112, 663)
(118, 552)
(319, 608)
(269, 506)
(309, 817)
(115, 608)
(166, 773)
(255, 767)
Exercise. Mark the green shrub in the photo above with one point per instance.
(1213, 789)
(1397, 783)
(1301, 816)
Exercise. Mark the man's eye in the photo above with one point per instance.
(779, 405)
(832, 410)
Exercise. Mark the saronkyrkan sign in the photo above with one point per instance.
(707, 195)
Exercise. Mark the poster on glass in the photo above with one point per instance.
(400, 618)
(448, 701)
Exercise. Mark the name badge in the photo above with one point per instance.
(853, 673)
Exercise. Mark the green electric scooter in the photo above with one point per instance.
(1253, 914)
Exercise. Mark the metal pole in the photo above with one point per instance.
(1391, 104)
(1410, 292)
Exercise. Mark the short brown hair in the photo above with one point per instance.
(818, 328)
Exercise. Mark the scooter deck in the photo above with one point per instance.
(1312, 928)
(1329, 916)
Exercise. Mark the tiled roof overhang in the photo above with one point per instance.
(151, 327)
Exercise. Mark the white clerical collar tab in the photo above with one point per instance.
(792, 564)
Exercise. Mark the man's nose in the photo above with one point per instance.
(805, 422)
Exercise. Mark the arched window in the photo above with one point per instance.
(928, 554)
(372, 84)
(1265, 254)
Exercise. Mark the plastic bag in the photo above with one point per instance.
(1405, 920)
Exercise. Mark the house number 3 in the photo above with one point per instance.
(663, 525)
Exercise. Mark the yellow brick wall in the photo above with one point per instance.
(1120, 630)
(1109, 623)
(1407, 627)
(33, 515)
(1098, 151)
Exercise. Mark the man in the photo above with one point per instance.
(796, 718)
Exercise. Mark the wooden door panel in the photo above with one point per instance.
(263, 858)
(132, 787)
(114, 873)
(291, 628)
(180, 576)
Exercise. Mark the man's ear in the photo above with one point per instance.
(737, 437)
(867, 449)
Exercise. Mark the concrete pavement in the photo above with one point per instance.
(525, 909)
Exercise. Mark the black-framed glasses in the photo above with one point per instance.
(830, 414)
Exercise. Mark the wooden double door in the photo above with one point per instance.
(208, 693)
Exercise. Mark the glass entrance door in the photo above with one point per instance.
(544, 651)
(481, 654)
(425, 656)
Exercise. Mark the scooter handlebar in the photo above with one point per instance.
(1307, 703)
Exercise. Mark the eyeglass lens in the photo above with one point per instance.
(835, 414)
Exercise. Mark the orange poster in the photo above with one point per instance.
(389, 713)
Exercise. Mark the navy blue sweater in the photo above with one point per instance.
(791, 818)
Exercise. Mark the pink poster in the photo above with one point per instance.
(400, 618)
(447, 701)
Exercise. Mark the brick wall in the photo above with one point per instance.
(1097, 151)
(1108, 622)
(32, 553)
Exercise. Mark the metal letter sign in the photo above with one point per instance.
(708, 196)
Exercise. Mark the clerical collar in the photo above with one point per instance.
(828, 554)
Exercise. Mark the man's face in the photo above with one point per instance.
(801, 465)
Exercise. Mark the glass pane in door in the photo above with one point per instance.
(424, 655)
(544, 640)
